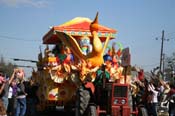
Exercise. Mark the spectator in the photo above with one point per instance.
(20, 96)
(2, 85)
(5, 95)
(32, 99)
(171, 97)
(165, 89)
(6, 90)
(12, 98)
(153, 99)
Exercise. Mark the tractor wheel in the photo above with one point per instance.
(91, 111)
(142, 111)
(83, 99)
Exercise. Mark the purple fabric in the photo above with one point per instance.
(14, 90)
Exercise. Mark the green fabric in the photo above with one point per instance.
(62, 56)
(99, 78)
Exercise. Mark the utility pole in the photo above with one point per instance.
(163, 58)
(161, 52)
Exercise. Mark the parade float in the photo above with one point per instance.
(80, 55)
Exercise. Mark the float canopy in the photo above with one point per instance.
(76, 27)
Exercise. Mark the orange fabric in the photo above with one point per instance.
(91, 86)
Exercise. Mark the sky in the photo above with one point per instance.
(23, 23)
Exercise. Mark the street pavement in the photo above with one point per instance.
(55, 112)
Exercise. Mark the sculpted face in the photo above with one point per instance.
(84, 41)
(85, 45)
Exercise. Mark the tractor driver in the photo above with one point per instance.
(102, 76)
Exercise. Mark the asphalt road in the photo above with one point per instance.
(55, 112)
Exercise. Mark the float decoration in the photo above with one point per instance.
(77, 27)
(80, 39)
(66, 33)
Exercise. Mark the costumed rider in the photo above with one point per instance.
(85, 45)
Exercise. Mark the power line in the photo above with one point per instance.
(170, 33)
(169, 36)
(25, 66)
(15, 38)
(149, 65)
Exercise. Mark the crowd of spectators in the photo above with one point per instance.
(17, 96)
(155, 95)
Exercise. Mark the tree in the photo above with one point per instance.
(170, 67)
(6, 67)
